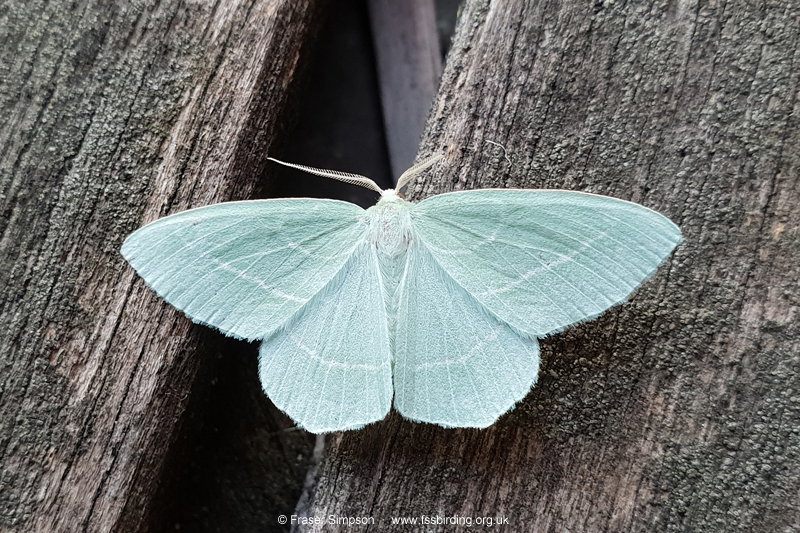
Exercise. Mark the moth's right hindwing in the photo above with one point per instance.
(455, 364)
(246, 267)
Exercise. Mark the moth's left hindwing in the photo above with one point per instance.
(246, 267)
(330, 368)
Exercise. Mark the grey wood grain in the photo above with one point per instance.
(113, 114)
(680, 409)
(409, 66)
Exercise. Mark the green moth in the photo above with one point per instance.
(437, 304)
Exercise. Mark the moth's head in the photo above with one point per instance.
(390, 195)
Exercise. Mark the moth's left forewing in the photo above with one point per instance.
(246, 267)
(543, 259)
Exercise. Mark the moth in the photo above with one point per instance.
(434, 306)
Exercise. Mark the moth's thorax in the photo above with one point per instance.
(389, 224)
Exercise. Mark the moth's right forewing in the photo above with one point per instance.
(246, 267)
(544, 259)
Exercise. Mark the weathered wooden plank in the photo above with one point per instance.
(679, 410)
(409, 67)
(242, 464)
(111, 115)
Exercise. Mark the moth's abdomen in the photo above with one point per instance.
(389, 231)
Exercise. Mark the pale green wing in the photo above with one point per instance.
(246, 267)
(541, 260)
(455, 365)
(329, 367)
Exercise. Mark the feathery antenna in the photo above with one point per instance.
(417, 169)
(353, 179)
